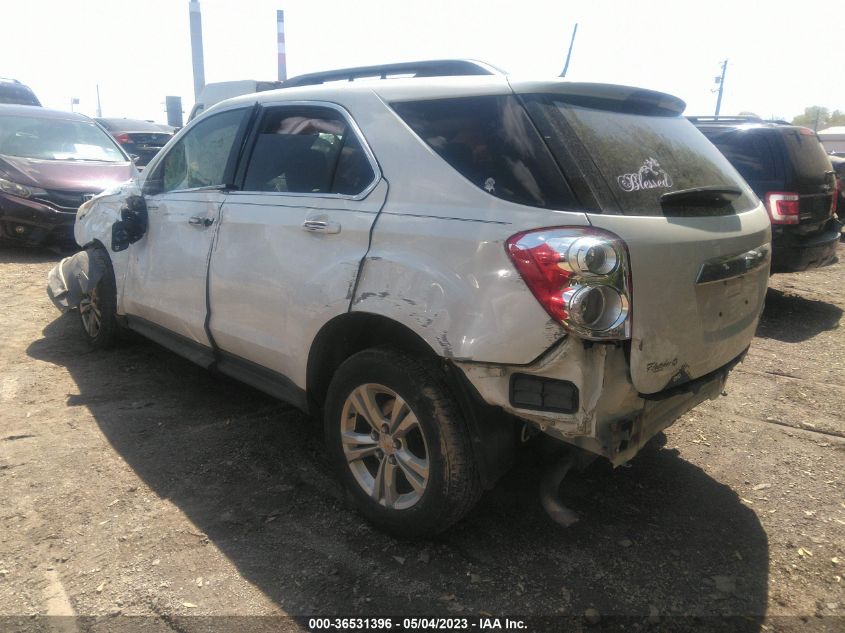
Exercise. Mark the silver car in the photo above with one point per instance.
(432, 262)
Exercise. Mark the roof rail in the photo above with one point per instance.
(14, 81)
(725, 118)
(429, 68)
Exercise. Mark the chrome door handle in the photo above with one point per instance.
(198, 221)
(321, 226)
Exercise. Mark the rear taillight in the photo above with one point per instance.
(123, 138)
(580, 276)
(782, 207)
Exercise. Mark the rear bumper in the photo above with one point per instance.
(31, 223)
(609, 417)
(793, 253)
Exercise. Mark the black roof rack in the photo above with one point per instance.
(431, 68)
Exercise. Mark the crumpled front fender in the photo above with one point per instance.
(72, 278)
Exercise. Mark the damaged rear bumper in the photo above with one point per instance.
(583, 395)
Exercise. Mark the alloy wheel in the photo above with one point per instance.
(384, 446)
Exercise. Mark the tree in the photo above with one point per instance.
(815, 117)
(819, 118)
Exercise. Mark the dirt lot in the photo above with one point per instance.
(134, 483)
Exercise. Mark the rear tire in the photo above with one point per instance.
(399, 443)
(98, 309)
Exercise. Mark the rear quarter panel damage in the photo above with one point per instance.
(451, 282)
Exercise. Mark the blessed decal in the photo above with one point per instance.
(649, 176)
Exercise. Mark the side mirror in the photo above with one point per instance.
(132, 225)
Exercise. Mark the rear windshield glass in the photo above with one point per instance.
(491, 141)
(749, 152)
(808, 156)
(17, 94)
(57, 139)
(641, 158)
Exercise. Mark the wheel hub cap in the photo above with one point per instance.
(384, 446)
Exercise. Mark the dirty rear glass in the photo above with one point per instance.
(639, 157)
(808, 156)
(491, 141)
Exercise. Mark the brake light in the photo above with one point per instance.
(580, 276)
(123, 138)
(782, 207)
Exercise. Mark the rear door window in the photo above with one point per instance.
(639, 157)
(491, 141)
(307, 149)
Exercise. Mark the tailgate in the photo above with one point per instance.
(684, 326)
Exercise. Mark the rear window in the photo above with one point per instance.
(808, 156)
(17, 94)
(640, 157)
(491, 141)
(749, 152)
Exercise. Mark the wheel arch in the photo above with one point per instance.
(491, 430)
(347, 334)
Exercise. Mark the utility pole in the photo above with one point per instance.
(99, 108)
(196, 47)
(569, 53)
(721, 82)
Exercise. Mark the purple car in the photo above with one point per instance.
(50, 163)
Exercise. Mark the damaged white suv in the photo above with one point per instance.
(428, 262)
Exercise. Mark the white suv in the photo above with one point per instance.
(430, 262)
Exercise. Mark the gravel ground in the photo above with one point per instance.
(133, 483)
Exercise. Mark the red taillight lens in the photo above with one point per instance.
(782, 207)
(580, 277)
(123, 138)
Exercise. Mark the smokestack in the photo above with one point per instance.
(280, 39)
(196, 47)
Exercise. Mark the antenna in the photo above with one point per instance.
(569, 53)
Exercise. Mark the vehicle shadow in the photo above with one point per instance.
(660, 538)
(791, 318)
(11, 254)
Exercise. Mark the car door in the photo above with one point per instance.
(167, 270)
(291, 240)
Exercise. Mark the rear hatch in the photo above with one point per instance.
(698, 280)
(810, 175)
(782, 159)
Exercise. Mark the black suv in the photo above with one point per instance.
(788, 169)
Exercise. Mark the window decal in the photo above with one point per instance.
(650, 176)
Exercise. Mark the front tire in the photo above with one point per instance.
(98, 309)
(399, 443)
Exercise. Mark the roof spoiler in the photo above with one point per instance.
(430, 68)
(610, 97)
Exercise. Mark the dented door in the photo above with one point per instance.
(281, 268)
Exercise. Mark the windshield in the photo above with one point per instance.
(641, 158)
(56, 139)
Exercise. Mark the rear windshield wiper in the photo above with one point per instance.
(709, 196)
(711, 200)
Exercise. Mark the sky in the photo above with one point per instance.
(138, 51)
